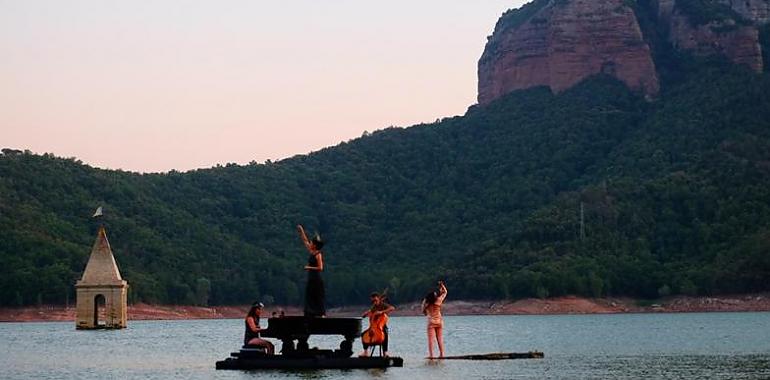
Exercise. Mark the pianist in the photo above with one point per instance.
(251, 336)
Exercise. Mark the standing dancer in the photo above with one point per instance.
(431, 307)
(314, 291)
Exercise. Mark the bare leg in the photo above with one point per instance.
(365, 352)
(440, 340)
(431, 337)
(259, 342)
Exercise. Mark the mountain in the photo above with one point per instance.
(558, 43)
(674, 191)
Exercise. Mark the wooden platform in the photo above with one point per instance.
(294, 331)
(281, 362)
(497, 356)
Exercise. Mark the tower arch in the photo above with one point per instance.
(101, 281)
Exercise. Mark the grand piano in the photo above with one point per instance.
(289, 329)
(293, 332)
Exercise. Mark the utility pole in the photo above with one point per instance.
(582, 222)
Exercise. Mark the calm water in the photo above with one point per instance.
(666, 346)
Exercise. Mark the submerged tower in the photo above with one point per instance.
(101, 293)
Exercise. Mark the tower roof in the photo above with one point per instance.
(101, 268)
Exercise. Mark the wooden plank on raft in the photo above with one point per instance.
(497, 356)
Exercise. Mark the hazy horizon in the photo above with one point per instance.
(152, 87)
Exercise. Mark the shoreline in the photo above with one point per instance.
(529, 306)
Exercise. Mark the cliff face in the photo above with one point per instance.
(562, 42)
(557, 43)
(758, 11)
(735, 39)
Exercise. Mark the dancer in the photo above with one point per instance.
(314, 291)
(431, 307)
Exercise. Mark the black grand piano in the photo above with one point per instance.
(294, 332)
(289, 329)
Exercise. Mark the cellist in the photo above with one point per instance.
(379, 309)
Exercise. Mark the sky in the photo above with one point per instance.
(152, 86)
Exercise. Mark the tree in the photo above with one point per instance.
(202, 290)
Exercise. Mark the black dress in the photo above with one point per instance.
(314, 291)
(249, 335)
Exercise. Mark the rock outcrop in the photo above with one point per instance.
(731, 37)
(757, 11)
(563, 42)
(558, 43)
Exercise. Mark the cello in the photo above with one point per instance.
(375, 334)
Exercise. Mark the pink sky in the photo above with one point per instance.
(159, 85)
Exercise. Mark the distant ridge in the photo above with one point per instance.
(675, 192)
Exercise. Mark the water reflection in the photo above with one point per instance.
(671, 346)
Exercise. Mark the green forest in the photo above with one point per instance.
(592, 192)
(675, 196)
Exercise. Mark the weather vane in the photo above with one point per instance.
(99, 216)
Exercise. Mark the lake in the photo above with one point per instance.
(620, 346)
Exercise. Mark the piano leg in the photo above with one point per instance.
(287, 346)
(302, 345)
(346, 348)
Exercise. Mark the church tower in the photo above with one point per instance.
(102, 295)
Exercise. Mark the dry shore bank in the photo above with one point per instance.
(530, 306)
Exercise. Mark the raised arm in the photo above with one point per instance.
(304, 238)
(441, 293)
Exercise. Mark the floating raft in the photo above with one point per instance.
(497, 356)
(245, 360)
(293, 332)
(279, 362)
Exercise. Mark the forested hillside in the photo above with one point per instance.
(675, 192)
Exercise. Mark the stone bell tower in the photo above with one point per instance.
(101, 293)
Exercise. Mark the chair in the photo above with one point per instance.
(373, 348)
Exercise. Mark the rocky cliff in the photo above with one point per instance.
(557, 43)
(758, 11)
(713, 31)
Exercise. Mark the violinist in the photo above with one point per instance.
(377, 315)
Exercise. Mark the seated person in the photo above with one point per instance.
(251, 337)
(379, 307)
